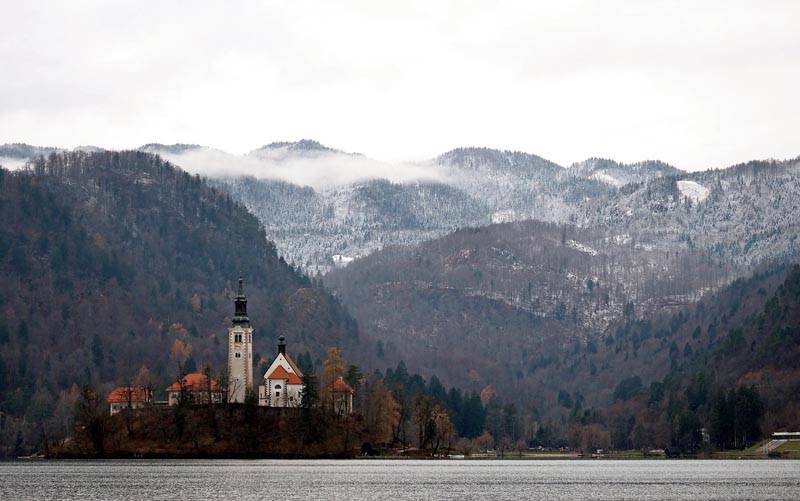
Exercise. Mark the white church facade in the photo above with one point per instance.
(282, 382)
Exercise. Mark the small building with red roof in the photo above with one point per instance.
(128, 397)
(340, 395)
(196, 388)
(283, 381)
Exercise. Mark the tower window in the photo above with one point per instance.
(237, 338)
(238, 355)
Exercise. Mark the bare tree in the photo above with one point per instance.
(91, 418)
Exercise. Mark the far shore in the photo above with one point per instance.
(744, 455)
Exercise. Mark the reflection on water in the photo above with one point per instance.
(267, 479)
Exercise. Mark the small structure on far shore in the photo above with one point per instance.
(778, 439)
(124, 397)
(197, 388)
(341, 396)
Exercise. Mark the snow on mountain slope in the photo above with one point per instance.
(12, 163)
(618, 174)
(581, 247)
(322, 228)
(692, 190)
(608, 179)
(317, 202)
(741, 216)
(463, 187)
(517, 186)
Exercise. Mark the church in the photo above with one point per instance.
(282, 383)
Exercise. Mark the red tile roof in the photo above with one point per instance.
(293, 365)
(340, 386)
(280, 373)
(194, 382)
(124, 394)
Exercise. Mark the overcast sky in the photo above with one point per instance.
(697, 86)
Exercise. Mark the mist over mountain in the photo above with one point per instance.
(346, 219)
(648, 203)
(16, 155)
(462, 188)
(324, 207)
(304, 163)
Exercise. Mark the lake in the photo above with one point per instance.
(398, 479)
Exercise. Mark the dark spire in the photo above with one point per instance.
(282, 345)
(240, 313)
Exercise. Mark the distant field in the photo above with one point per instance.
(790, 449)
(790, 446)
(755, 451)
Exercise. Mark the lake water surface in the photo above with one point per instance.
(379, 479)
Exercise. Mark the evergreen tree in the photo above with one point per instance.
(305, 363)
(473, 417)
(748, 411)
(310, 395)
(353, 376)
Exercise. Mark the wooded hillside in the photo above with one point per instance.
(114, 261)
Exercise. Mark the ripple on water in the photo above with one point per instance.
(378, 479)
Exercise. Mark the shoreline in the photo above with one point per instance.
(341, 457)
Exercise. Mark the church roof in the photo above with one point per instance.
(280, 373)
(293, 365)
(194, 382)
(123, 394)
(340, 386)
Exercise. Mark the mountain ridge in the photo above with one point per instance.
(476, 186)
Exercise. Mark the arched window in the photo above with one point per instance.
(238, 355)
(277, 387)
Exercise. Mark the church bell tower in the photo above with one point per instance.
(240, 350)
